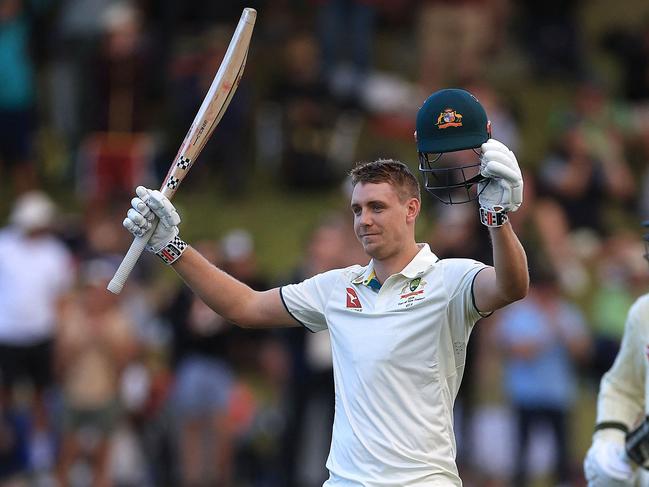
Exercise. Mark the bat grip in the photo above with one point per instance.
(135, 250)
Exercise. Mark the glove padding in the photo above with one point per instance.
(503, 188)
(606, 464)
(152, 209)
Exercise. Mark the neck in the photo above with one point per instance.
(384, 268)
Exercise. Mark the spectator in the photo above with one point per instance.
(307, 111)
(94, 342)
(203, 386)
(346, 26)
(263, 383)
(543, 337)
(18, 91)
(118, 150)
(585, 180)
(630, 48)
(618, 265)
(453, 38)
(551, 32)
(34, 277)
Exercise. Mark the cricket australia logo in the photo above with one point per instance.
(412, 292)
(352, 300)
(449, 118)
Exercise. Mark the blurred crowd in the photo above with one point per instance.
(151, 388)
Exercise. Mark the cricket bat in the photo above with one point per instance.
(209, 114)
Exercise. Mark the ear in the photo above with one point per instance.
(413, 206)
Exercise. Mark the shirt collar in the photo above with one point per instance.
(423, 261)
(367, 277)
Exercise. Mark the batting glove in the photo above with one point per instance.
(606, 464)
(502, 191)
(151, 209)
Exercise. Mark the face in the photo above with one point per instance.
(383, 223)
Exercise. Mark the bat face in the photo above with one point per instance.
(207, 118)
(215, 103)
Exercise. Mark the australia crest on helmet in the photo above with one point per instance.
(449, 118)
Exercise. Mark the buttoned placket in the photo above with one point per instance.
(386, 293)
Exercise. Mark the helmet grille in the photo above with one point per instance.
(451, 183)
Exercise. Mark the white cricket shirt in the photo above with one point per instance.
(623, 394)
(398, 358)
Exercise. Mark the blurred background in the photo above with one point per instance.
(151, 388)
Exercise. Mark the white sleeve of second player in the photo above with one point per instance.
(307, 300)
(621, 396)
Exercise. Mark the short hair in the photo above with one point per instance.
(388, 171)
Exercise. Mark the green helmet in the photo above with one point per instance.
(450, 120)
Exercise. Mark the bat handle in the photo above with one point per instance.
(135, 250)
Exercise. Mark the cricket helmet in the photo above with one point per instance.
(449, 121)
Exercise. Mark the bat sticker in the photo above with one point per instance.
(183, 162)
(173, 182)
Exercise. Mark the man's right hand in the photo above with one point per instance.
(152, 208)
(606, 464)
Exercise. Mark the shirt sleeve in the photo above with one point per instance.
(621, 396)
(458, 279)
(307, 300)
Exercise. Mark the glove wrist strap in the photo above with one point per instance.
(637, 445)
(171, 252)
(493, 218)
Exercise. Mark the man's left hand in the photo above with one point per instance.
(502, 191)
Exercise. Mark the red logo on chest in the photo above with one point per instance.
(352, 299)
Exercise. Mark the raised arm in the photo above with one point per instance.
(508, 280)
(227, 296)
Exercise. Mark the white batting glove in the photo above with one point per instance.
(502, 191)
(152, 209)
(606, 464)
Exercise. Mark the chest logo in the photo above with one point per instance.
(352, 299)
(412, 292)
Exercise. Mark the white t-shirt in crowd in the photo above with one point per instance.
(34, 274)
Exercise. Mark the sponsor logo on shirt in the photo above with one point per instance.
(352, 300)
